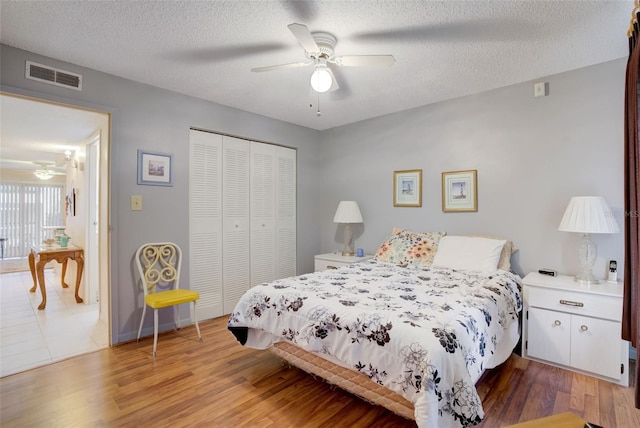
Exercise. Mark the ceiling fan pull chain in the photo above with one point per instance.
(318, 112)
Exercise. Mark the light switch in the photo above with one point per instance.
(136, 202)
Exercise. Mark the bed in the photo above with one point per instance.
(411, 333)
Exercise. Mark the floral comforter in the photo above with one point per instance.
(425, 333)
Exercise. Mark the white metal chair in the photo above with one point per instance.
(159, 268)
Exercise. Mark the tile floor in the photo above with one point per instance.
(30, 338)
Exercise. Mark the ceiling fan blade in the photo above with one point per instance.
(281, 66)
(302, 33)
(43, 164)
(364, 60)
(334, 81)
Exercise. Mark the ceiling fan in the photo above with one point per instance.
(46, 170)
(319, 50)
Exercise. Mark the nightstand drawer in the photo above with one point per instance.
(336, 261)
(328, 264)
(576, 303)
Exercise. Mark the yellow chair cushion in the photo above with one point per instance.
(171, 297)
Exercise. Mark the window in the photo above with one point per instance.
(24, 210)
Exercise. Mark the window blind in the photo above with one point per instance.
(24, 210)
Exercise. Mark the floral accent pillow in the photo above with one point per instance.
(405, 248)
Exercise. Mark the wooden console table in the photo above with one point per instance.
(41, 255)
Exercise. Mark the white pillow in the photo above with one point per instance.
(505, 257)
(468, 253)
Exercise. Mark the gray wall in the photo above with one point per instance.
(532, 156)
(145, 117)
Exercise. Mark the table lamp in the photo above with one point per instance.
(347, 213)
(587, 215)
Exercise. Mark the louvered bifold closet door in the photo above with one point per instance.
(236, 273)
(205, 222)
(285, 212)
(263, 239)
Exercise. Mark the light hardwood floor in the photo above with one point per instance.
(219, 383)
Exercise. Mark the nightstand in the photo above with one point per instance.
(575, 327)
(336, 260)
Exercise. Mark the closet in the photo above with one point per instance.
(242, 217)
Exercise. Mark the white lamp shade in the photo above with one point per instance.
(321, 80)
(588, 214)
(348, 212)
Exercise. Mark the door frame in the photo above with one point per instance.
(92, 246)
(104, 234)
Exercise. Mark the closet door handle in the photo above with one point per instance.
(570, 303)
(584, 328)
(557, 323)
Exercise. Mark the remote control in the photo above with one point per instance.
(549, 272)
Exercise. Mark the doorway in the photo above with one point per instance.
(31, 130)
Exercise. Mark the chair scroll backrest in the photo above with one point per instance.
(159, 266)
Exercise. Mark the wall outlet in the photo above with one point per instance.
(541, 89)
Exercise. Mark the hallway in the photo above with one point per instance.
(31, 338)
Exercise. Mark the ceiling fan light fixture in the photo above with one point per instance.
(42, 174)
(321, 80)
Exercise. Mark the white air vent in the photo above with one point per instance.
(53, 76)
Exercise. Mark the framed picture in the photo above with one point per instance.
(72, 207)
(460, 191)
(407, 188)
(70, 203)
(154, 168)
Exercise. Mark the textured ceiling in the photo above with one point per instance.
(205, 49)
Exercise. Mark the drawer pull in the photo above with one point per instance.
(331, 267)
(557, 322)
(584, 328)
(570, 303)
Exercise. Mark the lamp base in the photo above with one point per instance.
(587, 252)
(582, 281)
(586, 281)
(348, 241)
